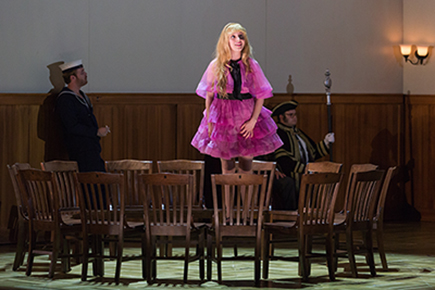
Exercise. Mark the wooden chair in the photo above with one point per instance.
(378, 220)
(102, 210)
(167, 203)
(361, 204)
(318, 194)
(313, 167)
(243, 219)
(68, 200)
(193, 167)
(64, 173)
(44, 215)
(130, 168)
(22, 216)
(262, 168)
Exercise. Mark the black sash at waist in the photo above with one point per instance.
(231, 97)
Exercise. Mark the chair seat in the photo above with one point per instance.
(339, 219)
(134, 224)
(280, 225)
(70, 219)
(282, 215)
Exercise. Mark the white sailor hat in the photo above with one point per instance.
(69, 66)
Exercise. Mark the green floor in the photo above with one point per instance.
(410, 255)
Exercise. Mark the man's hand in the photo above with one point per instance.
(279, 174)
(103, 131)
(329, 138)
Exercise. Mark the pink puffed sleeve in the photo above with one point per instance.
(207, 82)
(259, 86)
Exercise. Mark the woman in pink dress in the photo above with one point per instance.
(235, 123)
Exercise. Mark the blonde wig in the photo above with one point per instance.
(223, 55)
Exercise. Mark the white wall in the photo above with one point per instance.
(165, 45)
(419, 29)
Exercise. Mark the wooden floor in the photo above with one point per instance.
(410, 254)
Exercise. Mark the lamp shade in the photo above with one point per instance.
(405, 49)
(422, 50)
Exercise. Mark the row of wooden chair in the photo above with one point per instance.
(102, 211)
(363, 211)
(250, 224)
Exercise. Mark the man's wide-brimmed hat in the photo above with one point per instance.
(284, 107)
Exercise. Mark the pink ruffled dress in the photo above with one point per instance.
(228, 116)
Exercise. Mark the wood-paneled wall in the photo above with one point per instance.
(368, 128)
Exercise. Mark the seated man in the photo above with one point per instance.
(291, 158)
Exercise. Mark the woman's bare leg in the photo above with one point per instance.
(245, 166)
(228, 166)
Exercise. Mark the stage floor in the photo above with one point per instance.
(410, 254)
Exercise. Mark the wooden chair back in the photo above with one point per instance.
(130, 169)
(379, 214)
(42, 198)
(378, 220)
(324, 166)
(192, 167)
(242, 197)
(363, 196)
(265, 168)
(64, 174)
(355, 168)
(102, 203)
(167, 203)
(19, 196)
(317, 197)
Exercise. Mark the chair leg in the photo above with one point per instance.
(144, 257)
(219, 260)
(154, 262)
(209, 256)
(119, 258)
(381, 248)
(30, 255)
(369, 247)
(257, 269)
(266, 257)
(85, 257)
(21, 244)
(303, 265)
(98, 252)
(330, 256)
(150, 259)
(65, 253)
(309, 242)
(201, 241)
(336, 248)
(54, 254)
(351, 254)
(186, 259)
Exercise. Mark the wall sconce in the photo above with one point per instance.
(421, 53)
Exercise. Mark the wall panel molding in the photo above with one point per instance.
(371, 128)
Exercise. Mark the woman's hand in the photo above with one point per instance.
(247, 129)
(210, 129)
